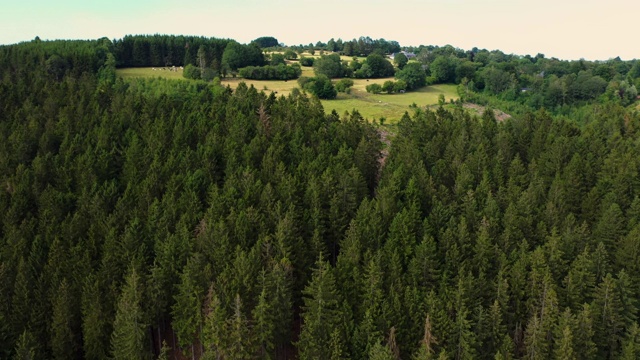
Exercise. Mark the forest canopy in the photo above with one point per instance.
(245, 225)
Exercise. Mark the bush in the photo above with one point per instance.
(277, 59)
(400, 86)
(374, 88)
(306, 61)
(269, 72)
(380, 67)
(320, 86)
(208, 74)
(290, 55)
(330, 66)
(191, 72)
(413, 75)
(344, 85)
(388, 86)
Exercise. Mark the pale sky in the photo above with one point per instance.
(569, 29)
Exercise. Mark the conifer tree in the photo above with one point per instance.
(631, 344)
(426, 351)
(321, 313)
(63, 332)
(240, 345)
(128, 340)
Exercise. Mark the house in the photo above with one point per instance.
(409, 55)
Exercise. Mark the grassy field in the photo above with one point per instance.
(371, 106)
(391, 107)
(149, 72)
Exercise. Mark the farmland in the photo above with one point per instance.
(371, 106)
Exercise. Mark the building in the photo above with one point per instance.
(409, 55)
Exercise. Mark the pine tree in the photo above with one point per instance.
(25, 347)
(263, 321)
(608, 322)
(187, 309)
(128, 340)
(535, 339)
(321, 313)
(580, 281)
(380, 352)
(214, 337)
(631, 344)
(63, 332)
(393, 344)
(426, 351)
(240, 345)
(94, 321)
(164, 351)
(583, 334)
(20, 311)
(564, 347)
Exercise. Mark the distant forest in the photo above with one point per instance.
(177, 219)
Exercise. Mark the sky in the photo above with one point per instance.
(566, 29)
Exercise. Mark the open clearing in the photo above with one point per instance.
(389, 106)
(370, 106)
(149, 72)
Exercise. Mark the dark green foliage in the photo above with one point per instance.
(290, 54)
(271, 72)
(320, 86)
(307, 61)
(380, 67)
(330, 66)
(192, 72)
(321, 314)
(266, 41)
(413, 75)
(166, 50)
(277, 59)
(344, 85)
(443, 69)
(237, 56)
(142, 210)
(128, 340)
(374, 88)
(400, 60)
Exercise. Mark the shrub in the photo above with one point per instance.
(374, 88)
(277, 59)
(191, 72)
(306, 61)
(320, 86)
(344, 85)
(270, 72)
(290, 55)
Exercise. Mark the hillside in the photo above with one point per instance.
(237, 224)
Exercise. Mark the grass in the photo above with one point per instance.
(279, 86)
(370, 106)
(148, 72)
(391, 107)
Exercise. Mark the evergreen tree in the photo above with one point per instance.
(240, 342)
(63, 333)
(631, 344)
(426, 351)
(564, 347)
(380, 352)
(25, 347)
(321, 313)
(128, 340)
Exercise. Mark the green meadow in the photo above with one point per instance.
(370, 106)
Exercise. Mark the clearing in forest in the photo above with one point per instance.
(370, 106)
